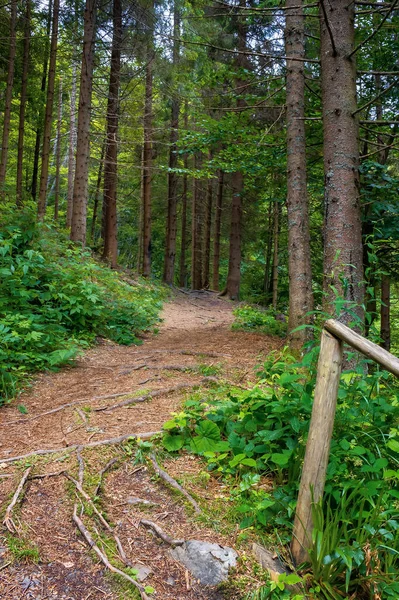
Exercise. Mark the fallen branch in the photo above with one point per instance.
(87, 536)
(8, 522)
(81, 465)
(173, 483)
(145, 397)
(161, 534)
(102, 472)
(112, 441)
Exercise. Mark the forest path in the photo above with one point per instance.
(76, 406)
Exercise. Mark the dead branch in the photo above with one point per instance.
(83, 416)
(173, 483)
(145, 397)
(102, 473)
(8, 522)
(161, 534)
(44, 475)
(81, 465)
(87, 536)
(112, 441)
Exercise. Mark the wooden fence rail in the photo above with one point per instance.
(317, 452)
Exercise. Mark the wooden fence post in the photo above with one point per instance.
(318, 444)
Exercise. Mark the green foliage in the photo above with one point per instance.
(246, 436)
(55, 299)
(250, 318)
(22, 549)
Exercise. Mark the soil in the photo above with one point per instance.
(195, 345)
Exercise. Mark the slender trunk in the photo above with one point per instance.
(218, 224)
(80, 188)
(147, 164)
(8, 97)
(385, 331)
(299, 267)
(72, 145)
(48, 117)
(207, 235)
(58, 154)
(39, 129)
(268, 257)
(237, 181)
(22, 104)
(183, 247)
(343, 268)
(97, 193)
(111, 153)
(196, 237)
(171, 227)
(275, 256)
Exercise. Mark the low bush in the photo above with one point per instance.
(55, 299)
(250, 318)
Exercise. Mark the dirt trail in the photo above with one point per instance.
(195, 342)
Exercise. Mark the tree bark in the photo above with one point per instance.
(217, 230)
(8, 97)
(171, 228)
(97, 193)
(48, 117)
(72, 144)
(275, 256)
(197, 215)
(183, 246)
(147, 165)
(343, 266)
(385, 331)
(299, 267)
(80, 188)
(58, 155)
(22, 104)
(207, 234)
(268, 257)
(39, 128)
(111, 153)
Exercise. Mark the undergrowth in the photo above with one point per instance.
(251, 318)
(55, 299)
(256, 441)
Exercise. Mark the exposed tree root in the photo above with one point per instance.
(161, 534)
(112, 441)
(8, 522)
(87, 536)
(102, 473)
(173, 483)
(81, 465)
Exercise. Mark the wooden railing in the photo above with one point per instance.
(329, 367)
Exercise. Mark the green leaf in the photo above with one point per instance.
(173, 443)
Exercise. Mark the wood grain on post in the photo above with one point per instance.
(369, 349)
(318, 444)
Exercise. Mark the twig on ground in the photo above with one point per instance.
(109, 464)
(44, 475)
(145, 397)
(83, 416)
(173, 483)
(112, 441)
(81, 465)
(8, 522)
(161, 534)
(87, 536)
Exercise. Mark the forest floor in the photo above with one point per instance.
(101, 398)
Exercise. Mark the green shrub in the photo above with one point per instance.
(249, 318)
(55, 299)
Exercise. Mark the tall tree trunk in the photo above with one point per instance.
(217, 230)
(97, 193)
(183, 244)
(276, 228)
(299, 267)
(72, 144)
(197, 215)
(343, 268)
(147, 165)
(80, 188)
(8, 97)
(111, 153)
(58, 154)
(268, 257)
(385, 330)
(232, 290)
(22, 104)
(171, 228)
(48, 117)
(207, 234)
(39, 128)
